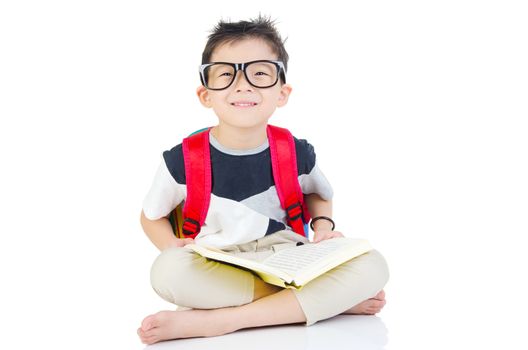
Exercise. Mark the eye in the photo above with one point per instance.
(261, 73)
(227, 74)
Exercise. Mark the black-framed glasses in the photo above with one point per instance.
(260, 74)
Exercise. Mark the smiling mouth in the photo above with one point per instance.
(244, 104)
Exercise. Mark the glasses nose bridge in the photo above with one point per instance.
(242, 68)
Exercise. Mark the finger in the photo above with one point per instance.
(320, 238)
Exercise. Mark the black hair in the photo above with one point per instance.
(260, 27)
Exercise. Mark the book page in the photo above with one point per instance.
(258, 267)
(292, 260)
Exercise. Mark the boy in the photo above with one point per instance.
(245, 217)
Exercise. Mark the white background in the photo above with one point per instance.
(417, 111)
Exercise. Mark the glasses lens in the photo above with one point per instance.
(262, 74)
(218, 76)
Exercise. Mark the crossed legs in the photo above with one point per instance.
(268, 305)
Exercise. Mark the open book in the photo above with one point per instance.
(296, 266)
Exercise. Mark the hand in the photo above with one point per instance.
(180, 242)
(185, 241)
(326, 234)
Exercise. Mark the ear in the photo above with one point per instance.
(285, 92)
(203, 96)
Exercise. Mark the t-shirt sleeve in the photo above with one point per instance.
(164, 194)
(316, 182)
(311, 177)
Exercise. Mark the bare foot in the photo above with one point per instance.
(368, 307)
(166, 325)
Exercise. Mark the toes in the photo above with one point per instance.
(373, 306)
(147, 337)
(150, 340)
(141, 335)
(380, 295)
(149, 322)
(377, 304)
(376, 307)
(367, 307)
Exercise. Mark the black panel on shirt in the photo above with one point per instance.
(238, 177)
(274, 226)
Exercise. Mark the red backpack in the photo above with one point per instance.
(187, 221)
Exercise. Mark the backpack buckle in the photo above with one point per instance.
(294, 211)
(190, 226)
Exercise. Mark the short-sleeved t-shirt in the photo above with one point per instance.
(244, 202)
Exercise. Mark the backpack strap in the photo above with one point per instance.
(284, 164)
(197, 161)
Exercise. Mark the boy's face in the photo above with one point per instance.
(224, 102)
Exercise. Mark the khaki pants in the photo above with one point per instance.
(183, 277)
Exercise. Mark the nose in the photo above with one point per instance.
(241, 82)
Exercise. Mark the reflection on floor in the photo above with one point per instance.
(340, 332)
